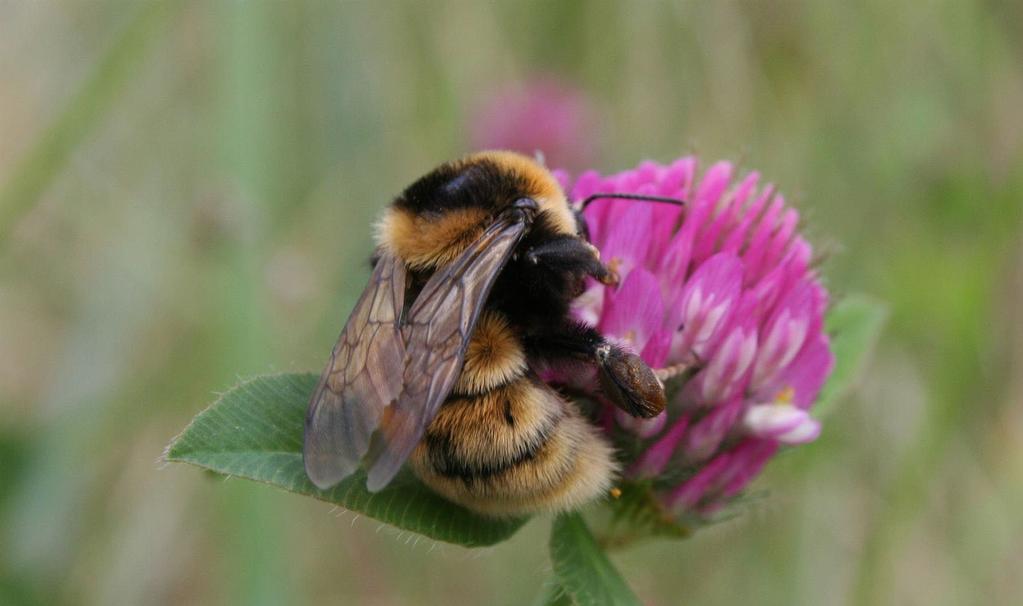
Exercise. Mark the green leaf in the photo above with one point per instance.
(854, 325)
(582, 568)
(254, 431)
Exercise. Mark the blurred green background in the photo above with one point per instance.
(186, 191)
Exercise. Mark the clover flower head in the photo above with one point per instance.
(721, 294)
(541, 114)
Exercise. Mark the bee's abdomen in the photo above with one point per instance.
(493, 357)
(505, 443)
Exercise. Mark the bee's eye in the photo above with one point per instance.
(582, 229)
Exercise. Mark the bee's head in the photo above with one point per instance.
(438, 216)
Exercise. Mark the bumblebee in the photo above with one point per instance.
(476, 266)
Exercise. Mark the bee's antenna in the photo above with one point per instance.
(644, 197)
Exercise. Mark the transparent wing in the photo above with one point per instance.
(435, 334)
(360, 381)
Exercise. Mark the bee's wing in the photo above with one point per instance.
(360, 381)
(436, 333)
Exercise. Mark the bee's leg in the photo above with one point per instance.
(569, 253)
(628, 382)
(625, 379)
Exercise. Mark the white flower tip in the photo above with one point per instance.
(783, 422)
(805, 432)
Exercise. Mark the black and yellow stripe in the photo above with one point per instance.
(505, 443)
